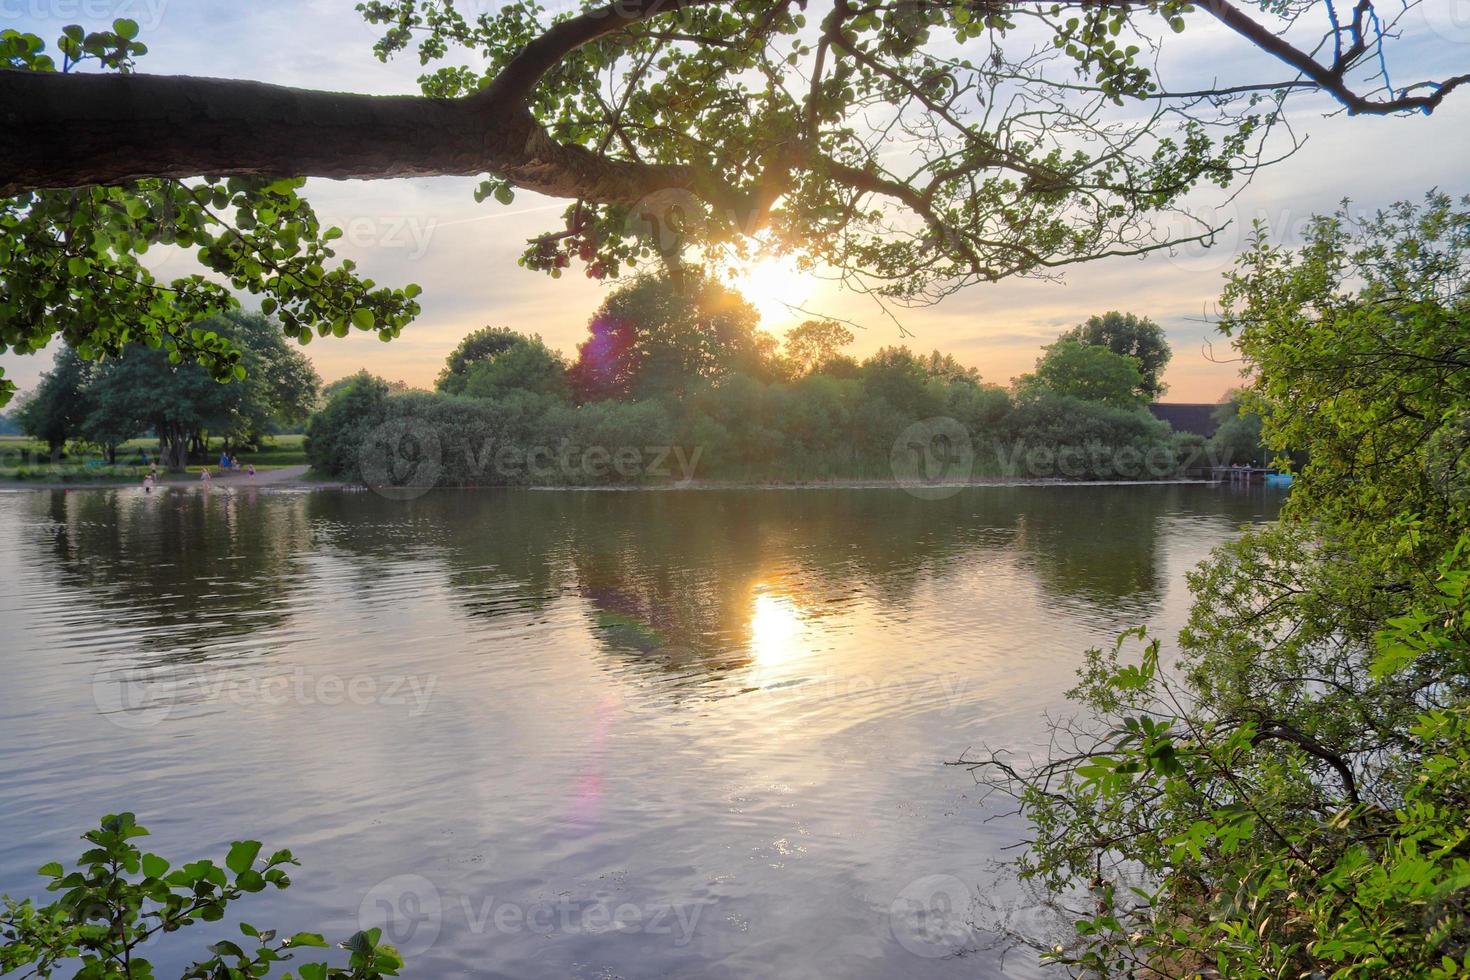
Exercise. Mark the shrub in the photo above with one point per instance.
(119, 898)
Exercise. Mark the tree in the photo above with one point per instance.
(335, 435)
(331, 391)
(901, 378)
(812, 343)
(1290, 797)
(56, 409)
(181, 403)
(1021, 158)
(280, 385)
(1090, 373)
(1132, 336)
(944, 367)
(480, 345)
(661, 335)
(527, 365)
(1238, 438)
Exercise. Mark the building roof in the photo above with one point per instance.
(1187, 416)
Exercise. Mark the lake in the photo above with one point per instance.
(575, 734)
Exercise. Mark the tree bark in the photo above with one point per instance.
(66, 130)
(173, 444)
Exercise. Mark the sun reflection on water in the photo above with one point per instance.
(775, 632)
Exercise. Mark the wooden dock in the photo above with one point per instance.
(1246, 474)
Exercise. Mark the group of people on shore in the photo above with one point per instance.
(227, 462)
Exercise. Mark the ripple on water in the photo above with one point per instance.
(596, 734)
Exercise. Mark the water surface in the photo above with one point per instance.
(575, 734)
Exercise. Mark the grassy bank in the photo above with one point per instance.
(24, 460)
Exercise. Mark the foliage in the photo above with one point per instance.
(662, 335)
(711, 143)
(1088, 372)
(72, 262)
(143, 389)
(55, 411)
(119, 898)
(484, 344)
(1238, 438)
(1132, 336)
(813, 343)
(335, 435)
(742, 428)
(1091, 439)
(331, 390)
(522, 363)
(1290, 797)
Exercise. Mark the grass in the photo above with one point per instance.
(23, 459)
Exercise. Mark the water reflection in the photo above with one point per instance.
(671, 581)
(729, 704)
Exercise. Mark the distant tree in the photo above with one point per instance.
(1239, 436)
(181, 403)
(813, 343)
(526, 365)
(901, 378)
(56, 409)
(842, 366)
(334, 436)
(104, 427)
(331, 391)
(281, 386)
(1132, 336)
(142, 390)
(484, 344)
(660, 336)
(1087, 372)
(944, 367)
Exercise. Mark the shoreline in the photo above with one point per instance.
(294, 478)
(279, 478)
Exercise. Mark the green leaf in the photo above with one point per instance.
(307, 939)
(242, 855)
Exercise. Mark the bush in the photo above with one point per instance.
(1053, 435)
(119, 898)
(335, 435)
(739, 427)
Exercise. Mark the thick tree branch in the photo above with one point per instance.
(74, 130)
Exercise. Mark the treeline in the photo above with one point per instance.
(141, 390)
(675, 380)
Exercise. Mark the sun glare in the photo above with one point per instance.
(774, 285)
(775, 631)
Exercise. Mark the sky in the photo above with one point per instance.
(431, 231)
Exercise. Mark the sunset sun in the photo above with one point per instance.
(775, 287)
